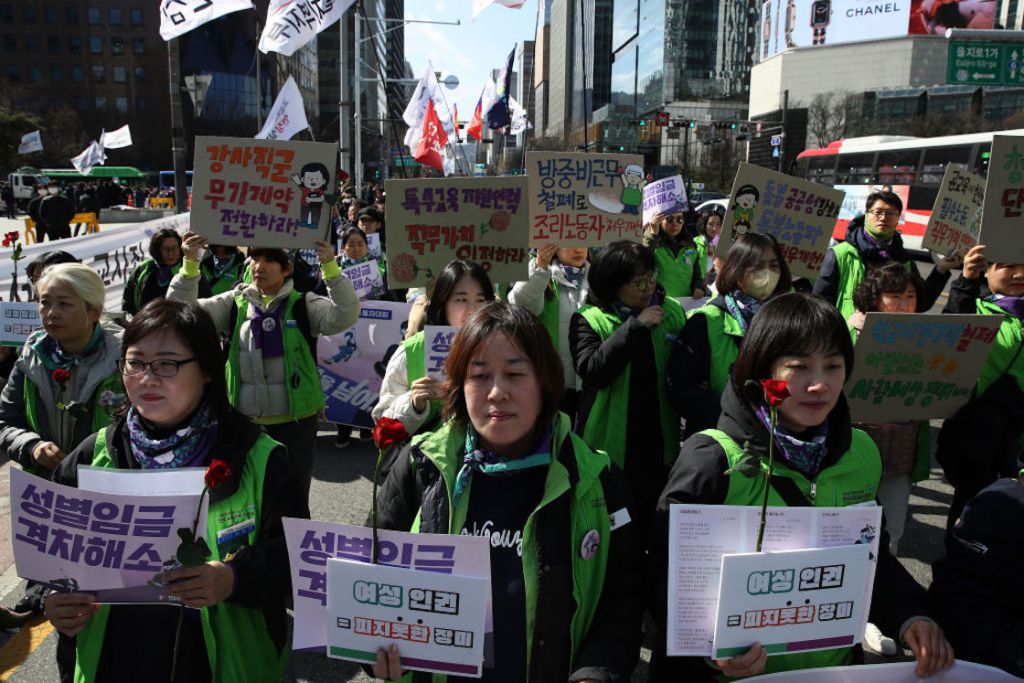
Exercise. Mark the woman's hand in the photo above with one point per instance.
(324, 251)
(202, 586)
(422, 391)
(750, 663)
(931, 649)
(47, 454)
(69, 612)
(651, 316)
(192, 245)
(388, 665)
(974, 262)
(545, 254)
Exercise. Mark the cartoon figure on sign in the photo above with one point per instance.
(345, 352)
(743, 205)
(632, 188)
(313, 179)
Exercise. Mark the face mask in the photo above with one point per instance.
(761, 283)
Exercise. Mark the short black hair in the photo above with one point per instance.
(792, 324)
(279, 256)
(745, 253)
(158, 239)
(613, 267)
(49, 258)
(352, 231)
(444, 286)
(886, 196)
(889, 278)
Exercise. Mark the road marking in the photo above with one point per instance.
(29, 637)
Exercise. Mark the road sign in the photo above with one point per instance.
(776, 140)
(984, 63)
(661, 118)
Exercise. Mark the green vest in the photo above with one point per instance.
(675, 272)
(237, 643)
(606, 424)
(302, 379)
(228, 278)
(147, 268)
(1008, 340)
(724, 337)
(444, 448)
(416, 367)
(853, 479)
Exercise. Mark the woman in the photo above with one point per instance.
(557, 288)
(680, 256)
(754, 271)
(407, 394)
(353, 252)
(709, 226)
(506, 456)
(222, 269)
(620, 343)
(173, 371)
(906, 447)
(152, 277)
(271, 365)
(820, 460)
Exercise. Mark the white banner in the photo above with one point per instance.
(91, 156)
(122, 137)
(287, 116)
(426, 90)
(902, 672)
(30, 142)
(178, 17)
(293, 23)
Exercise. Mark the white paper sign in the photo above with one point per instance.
(373, 245)
(699, 535)
(902, 672)
(791, 601)
(667, 195)
(436, 620)
(437, 344)
(17, 322)
(365, 278)
(179, 481)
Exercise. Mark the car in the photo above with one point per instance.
(717, 204)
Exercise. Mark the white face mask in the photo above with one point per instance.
(761, 283)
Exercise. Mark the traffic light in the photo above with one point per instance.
(693, 124)
(732, 126)
(643, 122)
(622, 148)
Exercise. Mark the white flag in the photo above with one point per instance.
(197, 86)
(92, 156)
(426, 90)
(287, 116)
(178, 17)
(480, 5)
(30, 142)
(520, 122)
(122, 137)
(293, 23)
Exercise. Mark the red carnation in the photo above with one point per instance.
(388, 432)
(775, 391)
(500, 220)
(60, 376)
(403, 268)
(217, 473)
(7, 241)
(13, 235)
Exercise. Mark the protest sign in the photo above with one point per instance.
(373, 245)
(352, 363)
(432, 221)
(667, 195)
(899, 672)
(267, 193)
(917, 366)
(365, 278)
(113, 546)
(17, 322)
(584, 200)
(956, 215)
(699, 535)
(1001, 221)
(312, 543)
(798, 213)
(436, 620)
(791, 601)
(438, 341)
(177, 481)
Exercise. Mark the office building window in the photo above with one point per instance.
(6, 14)
(140, 74)
(53, 45)
(141, 104)
(115, 16)
(96, 45)
(101, 103)
(75, 45)
(10, 44)
(98, 73)
(77, 73)
(135, 15)
(138, 46)
(120, 74)
(117, 46)
(56, 73)
(121, 105)
(13, 72)
(35, 74)
(28, 14)
(31, 44)
(95, 16)
(79, 103)
(50, 15)
(71, 15)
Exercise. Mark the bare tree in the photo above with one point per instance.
(827, 117)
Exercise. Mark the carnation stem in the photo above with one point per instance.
(767, 480)
(373, 508)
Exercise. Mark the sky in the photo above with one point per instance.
(469, 51)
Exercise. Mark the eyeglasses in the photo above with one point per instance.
(644, 282)
(133, 367)
(884, 215)
(675, 218)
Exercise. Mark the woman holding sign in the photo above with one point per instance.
(506, 464)
(681, 257)
(819, 460)
(179, 416)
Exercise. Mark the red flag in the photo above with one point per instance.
(455, 121)
(476, 124)
(430, 150)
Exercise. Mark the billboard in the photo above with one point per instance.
(810, 23)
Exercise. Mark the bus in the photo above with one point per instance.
(167, 180)
(909, 166)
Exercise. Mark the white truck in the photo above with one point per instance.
(24, 182)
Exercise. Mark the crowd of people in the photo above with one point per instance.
(580, 403)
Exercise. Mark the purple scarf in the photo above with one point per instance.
(805, 456)
(1014, 305)
(881, 248)
(265, 328)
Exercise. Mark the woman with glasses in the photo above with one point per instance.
(753, 272)
(179, 416)
(680, 256)
(620, 342)
(871, 240)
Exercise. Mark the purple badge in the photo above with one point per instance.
(591, 542)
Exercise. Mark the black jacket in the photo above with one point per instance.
(976, 590)
(57, 211)
(827, 284)
(262, 573)
(698, 477)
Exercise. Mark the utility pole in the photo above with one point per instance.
(259, 85)
(357, 133)
(177, 125)
(782, 147)
(343, 103)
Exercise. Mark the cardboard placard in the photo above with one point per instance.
(17, 322)
(956, 215)
(433, 221)
(365, 278)
(1003, 218)
(667, 195)
(267, 193)
(917, 366)
(584, 200)
(798, 213)
(437, 344)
